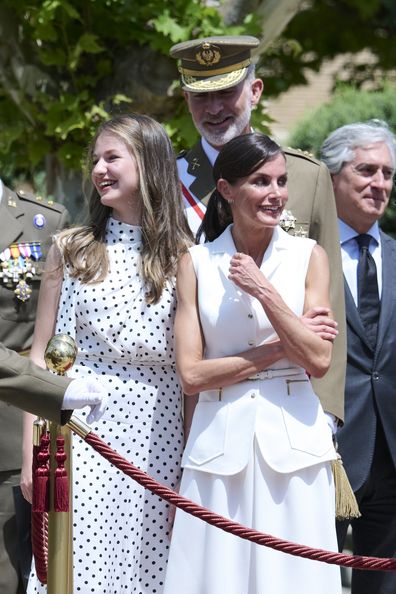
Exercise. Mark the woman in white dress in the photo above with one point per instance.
(111, 286)
(259, 448)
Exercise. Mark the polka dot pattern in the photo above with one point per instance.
(120, 530)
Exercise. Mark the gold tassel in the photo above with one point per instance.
(346, 504)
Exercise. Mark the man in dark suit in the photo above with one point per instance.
(361, 158)
(221, 89)
(27, 223)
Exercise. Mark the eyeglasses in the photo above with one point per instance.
(368, 171)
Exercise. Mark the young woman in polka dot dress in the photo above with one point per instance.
(114, 283)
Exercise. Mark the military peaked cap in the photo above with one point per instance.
(214, 63)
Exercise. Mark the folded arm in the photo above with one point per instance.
(198, 374)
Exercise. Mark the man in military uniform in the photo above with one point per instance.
(53, 397)
(26, 226)
(220, 87)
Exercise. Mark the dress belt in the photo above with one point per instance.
(267, 374)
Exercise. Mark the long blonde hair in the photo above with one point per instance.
(165, 232)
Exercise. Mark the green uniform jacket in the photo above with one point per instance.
(24, 218)
(31, 388)
(311, 202)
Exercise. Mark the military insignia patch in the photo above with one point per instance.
(39, 221)
(208, 55)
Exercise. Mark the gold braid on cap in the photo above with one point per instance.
(225, 70)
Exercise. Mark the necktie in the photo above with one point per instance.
(368, 298)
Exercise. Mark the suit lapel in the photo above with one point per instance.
(387, 298)
(200, 167)
(353, 317)
(388, 286)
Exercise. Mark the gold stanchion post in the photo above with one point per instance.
(59, 357)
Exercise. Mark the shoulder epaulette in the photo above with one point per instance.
(300, 153)
(47, 203)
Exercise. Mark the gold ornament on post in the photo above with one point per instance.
(59, 356)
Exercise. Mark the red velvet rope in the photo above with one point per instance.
(40, 544)
(40, 528)
(355, 561)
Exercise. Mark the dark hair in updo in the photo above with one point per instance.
(239, 158)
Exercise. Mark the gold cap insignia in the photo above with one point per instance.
(208, 55)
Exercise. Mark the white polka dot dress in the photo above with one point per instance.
(120, 530)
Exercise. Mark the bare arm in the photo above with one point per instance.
(301, 345)
(47, 307)
(44, 329)
(198, 374)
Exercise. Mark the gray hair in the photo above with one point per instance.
(338, 148)
(251, 72)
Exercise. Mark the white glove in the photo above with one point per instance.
(86, 391)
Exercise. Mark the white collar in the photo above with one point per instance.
(209, 150)
(347, 232)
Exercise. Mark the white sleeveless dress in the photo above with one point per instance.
(258, 452)
(121, 531)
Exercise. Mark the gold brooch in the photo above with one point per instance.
(208, 55)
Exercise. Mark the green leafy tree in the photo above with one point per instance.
(347, 106)
(65, 65)
(324, 29)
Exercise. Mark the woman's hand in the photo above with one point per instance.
(26, 482)
(317, 319)
(245, 273)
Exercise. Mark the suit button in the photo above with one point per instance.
(251, 343)
(250, 316)
(252, 395)
(375, 376)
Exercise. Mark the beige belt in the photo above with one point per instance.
(267, 374)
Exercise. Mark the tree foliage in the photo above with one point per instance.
(67, 64)
(325, 29)
(347, 106)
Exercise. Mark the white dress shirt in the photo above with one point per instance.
(209, 151)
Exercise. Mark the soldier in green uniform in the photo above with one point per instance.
(221, 89)
(26, 225)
